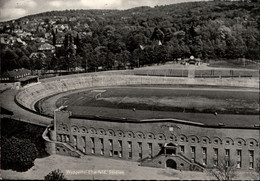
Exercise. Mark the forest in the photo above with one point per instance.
(144, 36)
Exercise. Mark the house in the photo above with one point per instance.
(37, 55)
(18, 77)
(21, 42)
(46, 47)
(6, 39)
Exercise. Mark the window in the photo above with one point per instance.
(204, 152)
(215, 151)
(140, 145)
(102, 151)
(101, 141)
(68, 139)
(227, 151)
(204, 140)
(129, 135)
(110, 142)
(150, 146)
(216, 141)
(110, 152)
(120, 154)
(193, 149)
(140, 155)
(92, 141)
(204, 161)
(82, 138)
(130, 155)
(182, 139)
(239, 143)
(227, 142)
(120, 143)
(251, 143)
(193, 140)
(215, 158)
(251, 159)
(239, 158)
(129, 144)
(193, 153)
(93, 150)
(171, 138)
(182, 148)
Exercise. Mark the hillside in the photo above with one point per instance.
(138, 36)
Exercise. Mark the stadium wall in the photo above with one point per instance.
(27, 97)
(154, 142)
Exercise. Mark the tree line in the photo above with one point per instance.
(145, 35)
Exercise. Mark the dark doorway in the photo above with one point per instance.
(171, 164)
(170, 151)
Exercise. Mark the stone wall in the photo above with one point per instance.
(133, 140)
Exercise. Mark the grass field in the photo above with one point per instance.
(235, 106)
(165, 99)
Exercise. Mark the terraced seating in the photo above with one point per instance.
(28, 96)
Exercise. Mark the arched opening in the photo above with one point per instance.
(171, 164)
(170, 149)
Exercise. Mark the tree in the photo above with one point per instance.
(18, 154)
(224, 170)
(55, 175)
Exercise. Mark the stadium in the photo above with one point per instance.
(160, 118)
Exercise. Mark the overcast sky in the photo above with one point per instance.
(12, 9)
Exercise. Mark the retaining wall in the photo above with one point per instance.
(27, 97)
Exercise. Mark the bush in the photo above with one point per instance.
(55, 175)
(18, 154)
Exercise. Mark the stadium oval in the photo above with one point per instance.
(175, 143)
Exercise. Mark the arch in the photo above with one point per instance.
(74, 129)
(101, 131)
(252, 142)
(130, 134)
(92, 130)
(193, 139)
(63, 127)
(217, 140)
(170, 144)
(228, 141)
(150, 136)
(120, 133)
(83, 129)
(170, 163)
(172, 137)
(139, 135)
(111, 132)
(205, 140)
(240, 141)
(161, 136)
(183, 138)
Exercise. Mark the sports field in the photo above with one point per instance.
(166, 99)
(234, 106)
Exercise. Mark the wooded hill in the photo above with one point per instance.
(206, 30)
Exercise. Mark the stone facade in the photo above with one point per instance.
(172, 143)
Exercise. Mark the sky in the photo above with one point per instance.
(13, 9)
